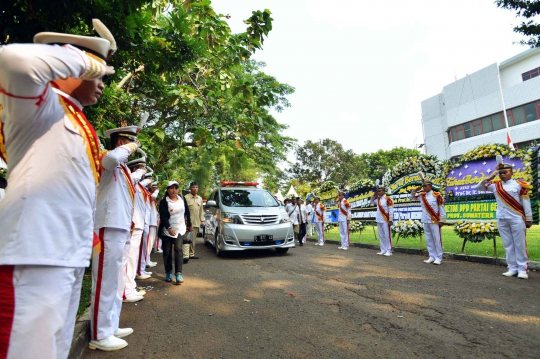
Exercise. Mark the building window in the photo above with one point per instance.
(516, 116)
(530, 74)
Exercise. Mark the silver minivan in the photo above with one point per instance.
(242, 217)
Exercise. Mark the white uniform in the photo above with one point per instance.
(344, 215)
(309, 226)
(139, 212)
(114, 211)
(302, 219)
(293, 212)
(512, 224)
(46, 216)
(432, 230)
(383, 227)
(141, 266)
(318, 221)
(153, 225)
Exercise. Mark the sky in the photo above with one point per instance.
(361, 69)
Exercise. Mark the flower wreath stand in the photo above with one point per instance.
(477, 232)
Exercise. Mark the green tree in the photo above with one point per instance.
(528, 11)
(374, 165)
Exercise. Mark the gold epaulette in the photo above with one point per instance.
(524, 184)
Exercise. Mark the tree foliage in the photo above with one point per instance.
(209, 102)
(374, 165)
(529, 26)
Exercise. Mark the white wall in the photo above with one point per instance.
(512, 69)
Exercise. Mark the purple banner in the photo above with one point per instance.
(462, 180)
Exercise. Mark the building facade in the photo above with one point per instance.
(469, 111)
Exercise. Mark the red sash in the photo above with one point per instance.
(3, 153)
(509, 200)
(320, 216)
(129, 181)
(86, 130)
(385, 215)
(342, 210)
(435, 218)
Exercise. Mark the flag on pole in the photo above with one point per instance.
(509, 141)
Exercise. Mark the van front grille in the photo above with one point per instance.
(259, 219)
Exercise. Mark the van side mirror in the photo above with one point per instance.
(211, 203)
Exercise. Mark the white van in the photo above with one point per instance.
(243, 217)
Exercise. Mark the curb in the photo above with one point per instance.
(446, 255)
(81, 335)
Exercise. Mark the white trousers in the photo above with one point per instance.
(513, 235)
(159, 243)
(38, 306)
(309, 228)
(344, 233)
(385, 237)
(141, 263)
(132, 263)
(433, 240)
(319, 228)
(108, 280)
(151, 240)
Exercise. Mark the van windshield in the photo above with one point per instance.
(247, 198)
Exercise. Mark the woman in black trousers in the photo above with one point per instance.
(175, 223)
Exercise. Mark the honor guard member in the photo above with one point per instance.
(433, 217)
(141, 264)
(384, 216)
(153, 224)
(47, 214)
(139, 213)
(196, 212)
(318, 220)
(344, 218)
(514, 216)
(114, 212)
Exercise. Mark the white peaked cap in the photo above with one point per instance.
(138, 161)
(172, 183)
(130, 130)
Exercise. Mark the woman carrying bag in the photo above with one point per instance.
(174, 227)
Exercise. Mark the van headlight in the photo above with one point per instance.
(284, 218)
(231, 218)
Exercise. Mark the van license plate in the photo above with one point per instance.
(264, 238)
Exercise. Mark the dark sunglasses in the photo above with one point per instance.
(503, 172)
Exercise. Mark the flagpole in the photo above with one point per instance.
(508, 137)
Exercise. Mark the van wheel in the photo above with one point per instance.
(216, 247)
(282, 250)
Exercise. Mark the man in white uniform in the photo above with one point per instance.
(344, 218)
(139, 212)
(46, 216)
(318, 220)
(153, 224)
(309, 225)
(141, 262)
(433, 217)
(384, 216)
(514, 216)
(114, 211)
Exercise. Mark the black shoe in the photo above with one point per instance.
(301, 244)
(194, 257)
(186, 260)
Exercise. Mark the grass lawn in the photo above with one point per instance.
(451, 242)
(86, 291)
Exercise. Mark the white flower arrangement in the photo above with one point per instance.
(408, 228)
(362, 184)
(356, 226)
(476, 231)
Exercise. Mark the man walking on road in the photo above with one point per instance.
(196, 213)
(514, 216)
(344, 218)
(293, 212)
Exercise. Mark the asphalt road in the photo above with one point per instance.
(321, 302)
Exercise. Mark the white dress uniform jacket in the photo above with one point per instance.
(384, 204)
(114, 205)
(139, 212)
(347, 207)
(318, 209)
(514, 189)
(432, 200)
(47, 214)
(153, 211)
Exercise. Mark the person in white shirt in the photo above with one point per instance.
(153, 223)
(318, 220)
(294, 212)
(47, 214)
(384, 216)
(175, 225)
(433, 217)
(310, 214)
(302, 220)
(344, 218)
(114, 211)
(514, 216)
